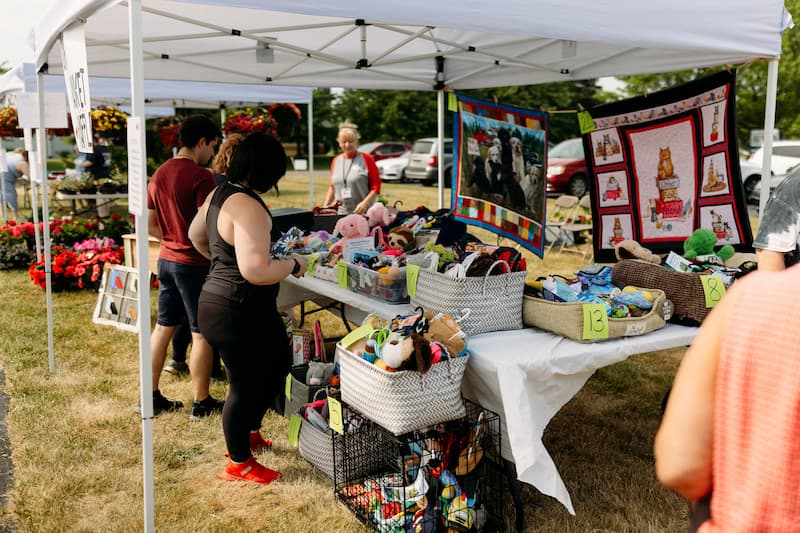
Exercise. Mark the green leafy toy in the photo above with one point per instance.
(446, 255)
(702, 242)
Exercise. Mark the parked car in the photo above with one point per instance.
(423, 163)
(394, 168)
(384, 150)
(785, 155)
(566, 168)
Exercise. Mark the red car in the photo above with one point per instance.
(384, 150)
(566, 169)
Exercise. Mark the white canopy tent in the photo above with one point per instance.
(450, 44)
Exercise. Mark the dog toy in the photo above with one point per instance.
(400, 238)
(349, 227)
(381, 215)
(702, 242)
(444, 330)
(446, 255)
(318, 373)
(630, 249)
(396, 350)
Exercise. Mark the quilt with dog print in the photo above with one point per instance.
(499, 172)
(666, 164)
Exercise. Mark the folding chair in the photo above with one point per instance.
(573, 227)
(565, 207)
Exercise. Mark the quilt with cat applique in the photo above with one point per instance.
(666, 164)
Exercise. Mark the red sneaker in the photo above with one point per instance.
(259, 443)
(250, 470)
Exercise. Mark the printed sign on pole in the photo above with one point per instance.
(76, 76)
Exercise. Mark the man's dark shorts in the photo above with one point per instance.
(178, 292)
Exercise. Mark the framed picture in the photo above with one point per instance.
(118, 299)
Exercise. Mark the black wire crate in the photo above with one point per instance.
(447, 478)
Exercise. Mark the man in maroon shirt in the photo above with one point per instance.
(174, 193)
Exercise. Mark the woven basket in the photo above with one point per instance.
(566, 318)
(316, 447)
(403, 401)
(683, 289)
(494, 302)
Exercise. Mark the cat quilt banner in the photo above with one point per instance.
(666, 164)
(499, 175)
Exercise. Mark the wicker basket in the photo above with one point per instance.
(316, 447)
(406, 400)
(683, 289)
(494, 302)
(566, 318)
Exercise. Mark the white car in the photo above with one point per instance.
(785, 155)
(394, 168)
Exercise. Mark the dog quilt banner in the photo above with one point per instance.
(666, 164)
(499, 184)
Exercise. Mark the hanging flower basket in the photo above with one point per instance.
(251, 120)
(109, 122)
(9, 122)
(168, 130)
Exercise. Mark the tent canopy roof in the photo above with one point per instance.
(385, 45)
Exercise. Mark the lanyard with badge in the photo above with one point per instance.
(346, 194)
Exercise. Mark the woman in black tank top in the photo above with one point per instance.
(237, 312)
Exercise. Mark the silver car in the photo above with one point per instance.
(423, 164)
(394, 168)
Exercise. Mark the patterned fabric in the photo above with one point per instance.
(779, 228)
(665, 165)
(756, 435)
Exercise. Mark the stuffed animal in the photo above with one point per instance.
(400, 238)
(702, 242)
(317, 241)
(381, 215)
(319, 373)
(349, 227)
(630, 249)
(443, 329)
(446, 255)
(396, 350)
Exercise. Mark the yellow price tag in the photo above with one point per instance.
(595, 321)
(452, 102)
(312, 260)
(359, 333)
(412, 275)
(295, 422)
(713, 289)
(288, 386)
(341, 274)
(335, 413)
(585, 122)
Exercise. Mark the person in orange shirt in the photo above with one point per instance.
(731, 429)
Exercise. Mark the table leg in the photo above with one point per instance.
(513, 484)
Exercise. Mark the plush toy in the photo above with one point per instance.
(318, 373)
(381, 215)
(317, 241)
(702, 242)
(630, 249)
(443, 329)
(400, 238)
(396, 350)
(446, 255)
(349, 227)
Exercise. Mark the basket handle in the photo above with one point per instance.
(489, 271)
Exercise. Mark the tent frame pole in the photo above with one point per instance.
(769, 128)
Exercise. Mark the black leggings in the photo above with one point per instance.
(252, 341)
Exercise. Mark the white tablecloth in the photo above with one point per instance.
(526, 375)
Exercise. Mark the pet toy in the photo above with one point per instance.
(381, 215)
(702, 242)
(349, 227)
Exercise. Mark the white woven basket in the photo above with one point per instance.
(494, 302)
(406, 400)
(316, 447)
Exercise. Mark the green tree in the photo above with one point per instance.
(751, 87)
(383, 115)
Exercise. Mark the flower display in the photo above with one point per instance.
(15, 252)
(9, 122)
(251, 120)
(109, 122)
(169, 130)
(78, 268)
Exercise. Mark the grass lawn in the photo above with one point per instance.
(76, 441)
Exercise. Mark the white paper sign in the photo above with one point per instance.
(76, 76)
(136, 167)
(3, 164)
(55, 110)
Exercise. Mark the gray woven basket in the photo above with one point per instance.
(406, 400)
(316, 447)
(494, 302)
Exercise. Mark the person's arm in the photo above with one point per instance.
(251, 240)
(24, 168)
(152, 224)
(683, 444)
(770, 260)
(198, 231)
